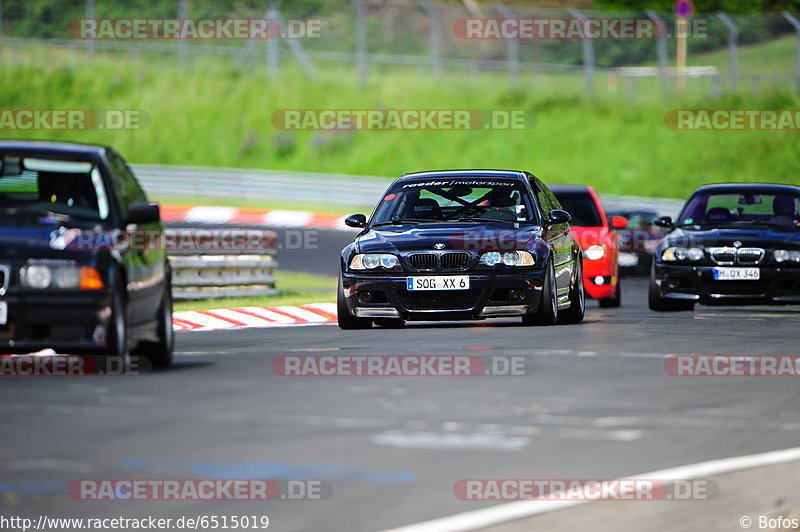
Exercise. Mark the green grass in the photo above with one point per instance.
(294, 288)
(211, 115)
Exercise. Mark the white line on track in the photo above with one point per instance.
(485, 517)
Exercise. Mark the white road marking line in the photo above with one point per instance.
(502, 513)
(450, 440)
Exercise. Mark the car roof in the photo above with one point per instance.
(743, 187)
(54, 147)
(513, 174)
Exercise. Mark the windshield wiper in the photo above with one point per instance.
(400, 221)
(736, 222)
(13, 211)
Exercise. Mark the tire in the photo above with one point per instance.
(117, 333)
(661, 304)
(390, 323)
(547, 313)
(348, 322)
(159, 353)
(577, 299)
(616, 299)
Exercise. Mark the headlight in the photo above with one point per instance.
(595, 252)
(57, 276)
(673, 254)
(509, 258)
(371, 261)
(36, 276)
(785, 255)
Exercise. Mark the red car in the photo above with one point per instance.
(597, 239)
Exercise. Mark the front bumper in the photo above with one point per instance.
(599, 278)
(776, 285)
(489, 295)
(73, 322)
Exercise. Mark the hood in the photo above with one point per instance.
(44, 240)
(461, 236)
(762, 237)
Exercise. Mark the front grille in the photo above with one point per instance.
(750, 255)
(728, 255)
(423, 261)
(4, 275)
(723, 254)
(455, 261)
(439, 299)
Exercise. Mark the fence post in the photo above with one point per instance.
(297, 50)
(435, 34)
(183, 10)
(90, 15)
(733, 38)
(588, 55)
(661, 50)
(361, 42)
(796, 24)
(512, 50)
(272, 46)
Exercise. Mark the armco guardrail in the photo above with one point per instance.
(214, 273)
(305, 187)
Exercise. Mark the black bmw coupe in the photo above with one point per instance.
(462, 244)
(731, 244)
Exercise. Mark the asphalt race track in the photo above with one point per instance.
(598, 405)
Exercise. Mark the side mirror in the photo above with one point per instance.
(556, 217)
(356, 220)
(663, 221)
(143, 213)
(619, 222)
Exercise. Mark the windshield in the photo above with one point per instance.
(581, 207)
(456, 200)
(47, 185)
(742, 208)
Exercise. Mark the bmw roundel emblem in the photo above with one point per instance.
(438, 245)
(737, 244)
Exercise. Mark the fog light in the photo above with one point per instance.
(366, 296)
(673, 283)
(599, 281)
(515, 295)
